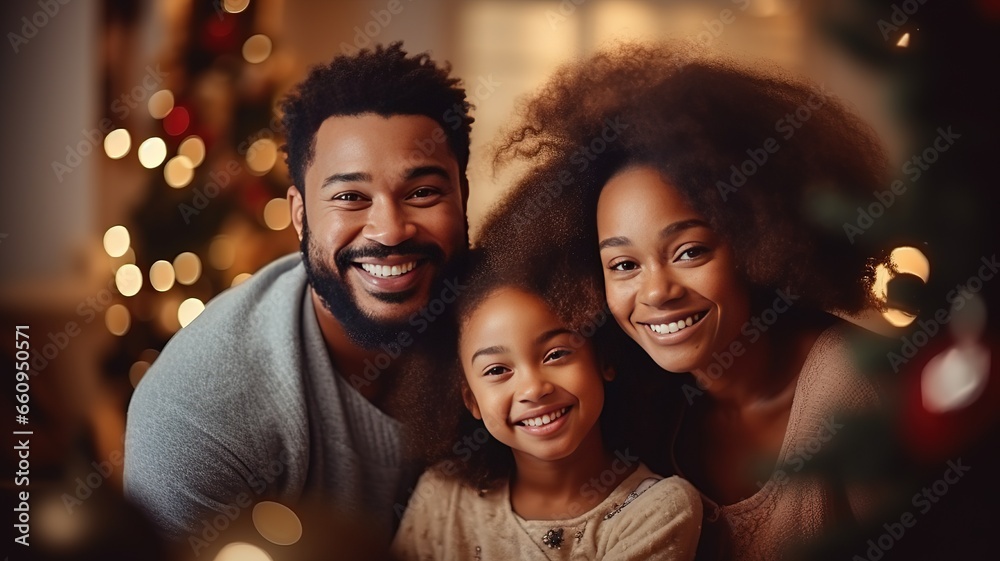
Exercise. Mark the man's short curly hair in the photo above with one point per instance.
(767, 159)
(386, 82)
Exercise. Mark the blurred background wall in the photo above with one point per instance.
(143, 175)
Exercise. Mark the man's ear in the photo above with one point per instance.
(470, 401)
(297, 206)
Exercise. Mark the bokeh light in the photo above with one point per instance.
(277, 215)
(117, 144)
(911, 260)
(177, 121)
(152, 152)
(240, 278)
(257, 48)
(222, 252)
(117, 319)
(137, 371)
(239, 551)
(160, 104)
(116, 241)
(277, 523)
(188, 310)
(194, 148)
(187, 268)
(235, 6)
(178, 172)
(161, 276)
(262, 156)
(128, 279)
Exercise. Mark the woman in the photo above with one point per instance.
(698, 193)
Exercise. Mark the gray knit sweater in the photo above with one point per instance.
(244, 405)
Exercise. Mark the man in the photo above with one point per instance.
(282, 388)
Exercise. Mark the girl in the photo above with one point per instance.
(543, 482)
(713, 213)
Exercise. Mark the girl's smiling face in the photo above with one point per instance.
(537, 386)
(670, 281)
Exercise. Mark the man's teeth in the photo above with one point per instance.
(675, 326)
(388, 271)
(545, 419)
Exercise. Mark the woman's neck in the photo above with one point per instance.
(569, 487)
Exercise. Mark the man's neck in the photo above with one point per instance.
(352, 362)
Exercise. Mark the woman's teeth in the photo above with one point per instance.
(544, 419)
(675, 326)
(388, 271)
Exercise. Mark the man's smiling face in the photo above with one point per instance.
(383, 218)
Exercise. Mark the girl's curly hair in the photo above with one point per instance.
(767, 159)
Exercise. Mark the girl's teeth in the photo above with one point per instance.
(675, 326)
(545, 419)
(388, 271)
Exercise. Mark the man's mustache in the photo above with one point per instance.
(428, 251)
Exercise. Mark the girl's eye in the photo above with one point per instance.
(496, 371)
(692, 253)
(624, 266)
(556, 355)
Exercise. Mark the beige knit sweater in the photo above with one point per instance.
(793, 507)
(447, 519)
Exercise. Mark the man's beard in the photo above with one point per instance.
(363, 329)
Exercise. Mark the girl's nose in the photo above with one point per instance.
(533, 386)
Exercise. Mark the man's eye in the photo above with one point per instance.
(423, 193)
(347, 197)
(496, 371)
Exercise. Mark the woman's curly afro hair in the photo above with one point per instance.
(760, 155)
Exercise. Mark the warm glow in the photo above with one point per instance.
(904, 41)
(178, 172)
(188, 310)
(911, 260)
(167, 314)
(117, 319)
(152, 152)
(277, 523)
(161, 276)
(277, 215)
(137, 371)
(222, 252)
(262, 156)
(117, 144)
(161, 103)
(240, 278)
(235, 6)
(257, 48)
(880, 288)
(194, 148)
(898, 318)
(116, 241)
(187, 268)
(128, 279)
(239, 551)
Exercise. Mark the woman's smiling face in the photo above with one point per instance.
(670, 280)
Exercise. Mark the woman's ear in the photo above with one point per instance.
(608, 372)
(470, 401)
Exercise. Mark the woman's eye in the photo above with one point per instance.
(496, 371)
(556, 355)
(624, 266)
(692, 253)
